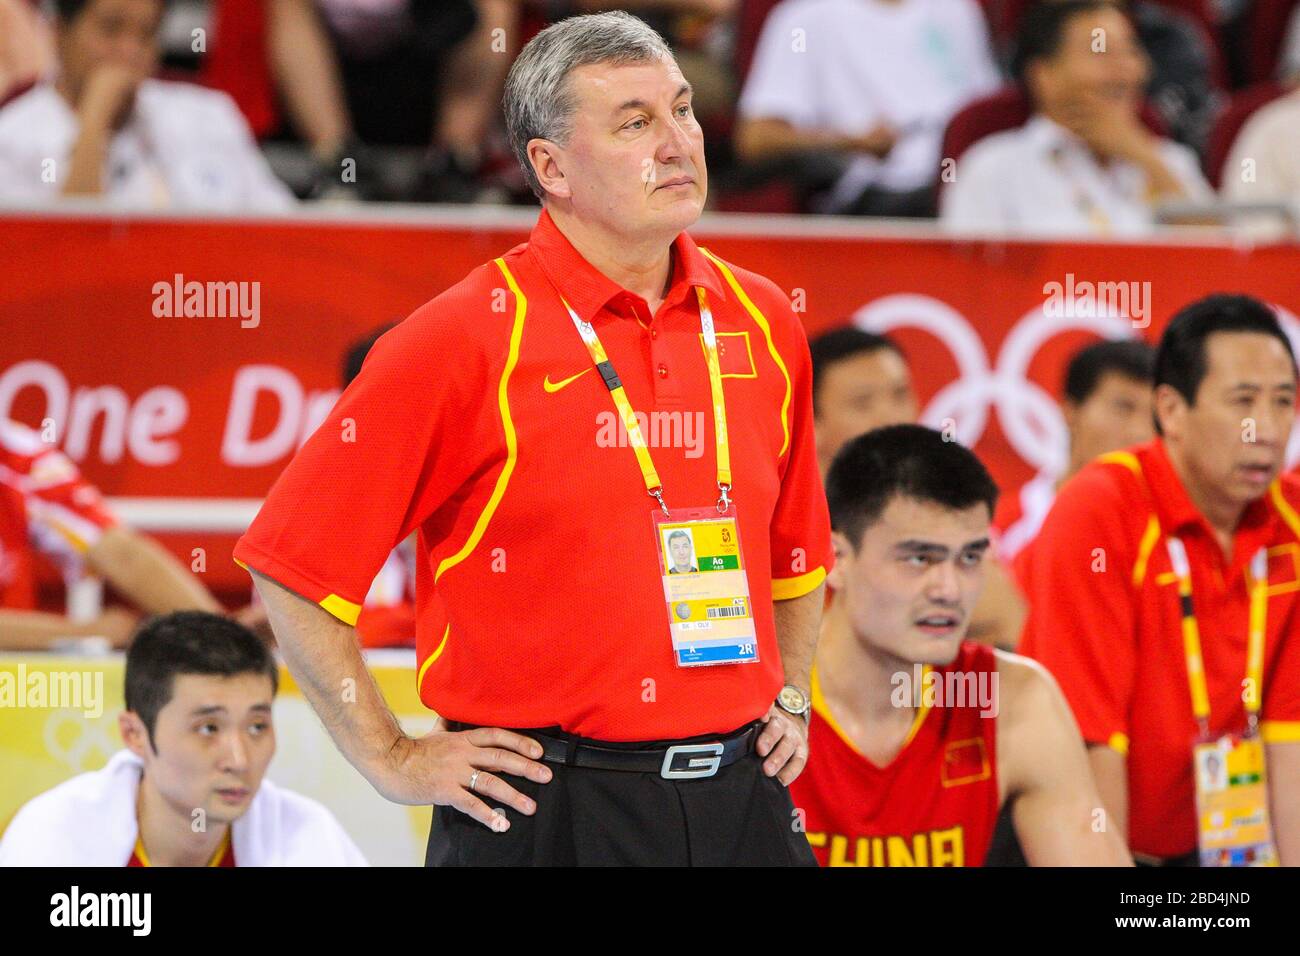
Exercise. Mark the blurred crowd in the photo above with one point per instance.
(1067, 117)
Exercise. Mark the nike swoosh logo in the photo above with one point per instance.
(556, 386)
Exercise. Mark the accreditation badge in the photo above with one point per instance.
(710, 614)
(1232, 802)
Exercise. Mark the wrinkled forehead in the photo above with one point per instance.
(601, 90)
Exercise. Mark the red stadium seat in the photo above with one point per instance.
(1229, 123)
(749, 26)
(237, 62)
(1265, 31)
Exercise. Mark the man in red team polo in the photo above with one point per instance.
(919, 736)
(1163, 594)
(595, 708)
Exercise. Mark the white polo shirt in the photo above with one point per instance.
(848, 65)
(183, 147)
(1264, 165)
(1041, 178)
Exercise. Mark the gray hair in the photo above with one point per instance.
(538, 102)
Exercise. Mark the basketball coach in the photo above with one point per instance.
(533, 424)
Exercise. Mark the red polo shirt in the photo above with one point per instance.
(1104, 618)
(481, 422)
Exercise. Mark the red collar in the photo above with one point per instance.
(588, 290)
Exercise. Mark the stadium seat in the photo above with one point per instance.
(1265, 31)
(237, 62)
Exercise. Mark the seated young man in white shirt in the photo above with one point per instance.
(188, 790)
(103, 128)
(859, 92)
(1084, 164)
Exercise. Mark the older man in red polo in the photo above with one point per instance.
(547, 425)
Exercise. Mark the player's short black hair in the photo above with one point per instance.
(189, 642)
(909, 461)
(356, 354)
(1181, 359)
(844, 343)
(1132, 358)
(1042, 30)
(69, 10)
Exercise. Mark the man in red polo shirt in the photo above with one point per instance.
(1163, 597)
(547, 425)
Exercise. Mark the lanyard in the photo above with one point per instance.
(1192, 636)
(605, 367)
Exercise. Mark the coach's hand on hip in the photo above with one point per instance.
(784, 742)
(454, 769)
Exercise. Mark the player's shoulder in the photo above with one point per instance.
(475, 311)
(1027, 692)
(292, 806)
(307, 829)
(1019, 674)
(58, 810)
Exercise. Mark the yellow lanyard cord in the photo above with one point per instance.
(1192, 636)
(605, 367)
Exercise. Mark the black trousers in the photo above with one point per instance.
(738, 817)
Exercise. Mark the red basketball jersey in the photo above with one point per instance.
(936, 803)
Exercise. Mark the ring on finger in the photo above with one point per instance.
(473, 780)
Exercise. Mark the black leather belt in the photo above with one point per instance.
(689, 760)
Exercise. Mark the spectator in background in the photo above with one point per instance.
(1084, 164)
(1106, 405)
(26, 48)
(102, 128)
(422, 73)
(859, 92)
(1264, 163)
(47, 508)
(199, 736)
(861, 382)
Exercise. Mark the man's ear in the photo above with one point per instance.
(1070, 413)
(134, 734)
(837, 579)
(1170, 410)
(545, 157)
